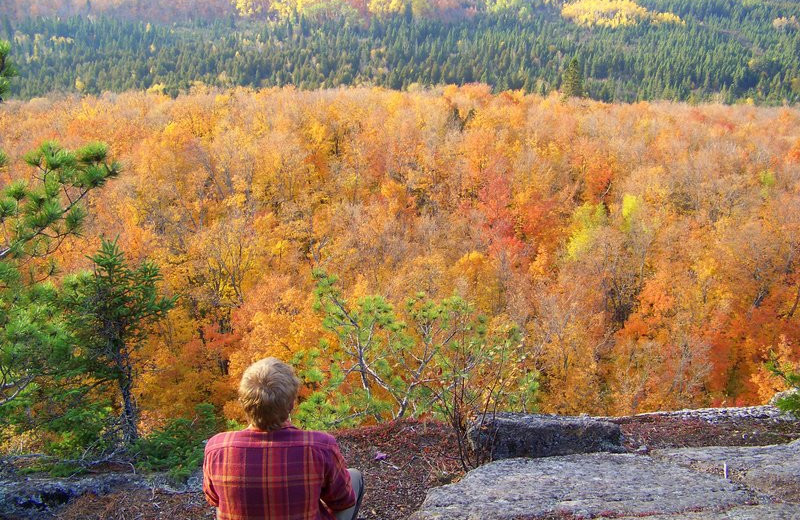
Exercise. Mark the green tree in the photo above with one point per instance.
(790, 374)
(7, 69)
(369, 334)
(482, 370)
(178, 446)
(439, 357)
(37, 217)
(572, 83)
(393, 361)
(110, 310)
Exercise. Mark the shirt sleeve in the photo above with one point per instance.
(337, 491)
(208, 486)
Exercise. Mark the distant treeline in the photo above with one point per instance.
(725, 51)
(148, 10)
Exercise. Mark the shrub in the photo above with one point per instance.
(178, 447)
(85, 431)
(790, 374)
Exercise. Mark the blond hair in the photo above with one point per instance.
(267, 392)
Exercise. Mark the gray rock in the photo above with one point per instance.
(39, 497)
(195, 482)
(765, 413)
(508, 435)
(580, 485)
(759, 512)
(771, 470)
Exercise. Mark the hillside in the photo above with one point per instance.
(629, 257)
(720, 50)
(579, 219)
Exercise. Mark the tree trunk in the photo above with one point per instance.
(130, 412)
(796, 302)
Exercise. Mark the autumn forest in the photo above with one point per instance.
(411, 251)
(712, 50)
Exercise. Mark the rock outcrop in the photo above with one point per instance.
(579, 485)
(508, 435)
(771, 470)
(758, 512)
(36, 498)
(716, 415)
(720, 482)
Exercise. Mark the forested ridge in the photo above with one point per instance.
(720, 50)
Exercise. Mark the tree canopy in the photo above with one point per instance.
(37, 217)
(643, 254)
(720, 51)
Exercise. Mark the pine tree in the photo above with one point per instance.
(110, 311)
(7, 69)
(572, 84)
(34, 341)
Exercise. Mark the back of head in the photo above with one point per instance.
(267, 392)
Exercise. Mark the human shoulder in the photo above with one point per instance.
(322, 438)
(287, 436)
(221, 440)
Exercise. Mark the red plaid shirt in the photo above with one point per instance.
(286, 474)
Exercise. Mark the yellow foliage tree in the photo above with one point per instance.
(613, 13)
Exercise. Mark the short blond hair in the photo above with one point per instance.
(267, 392)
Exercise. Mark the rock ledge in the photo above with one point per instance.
(581, 485)
(508, 435)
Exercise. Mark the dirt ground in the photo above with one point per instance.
(654, 432)
(400, 461)
(421, 455)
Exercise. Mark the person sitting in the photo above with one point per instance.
(272, 469)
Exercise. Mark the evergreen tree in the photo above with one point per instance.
(7, 69)
(572, 84)
(109, 311)
(38, 217)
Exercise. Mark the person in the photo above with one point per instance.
(272, 469)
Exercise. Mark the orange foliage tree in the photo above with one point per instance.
(647, 253)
